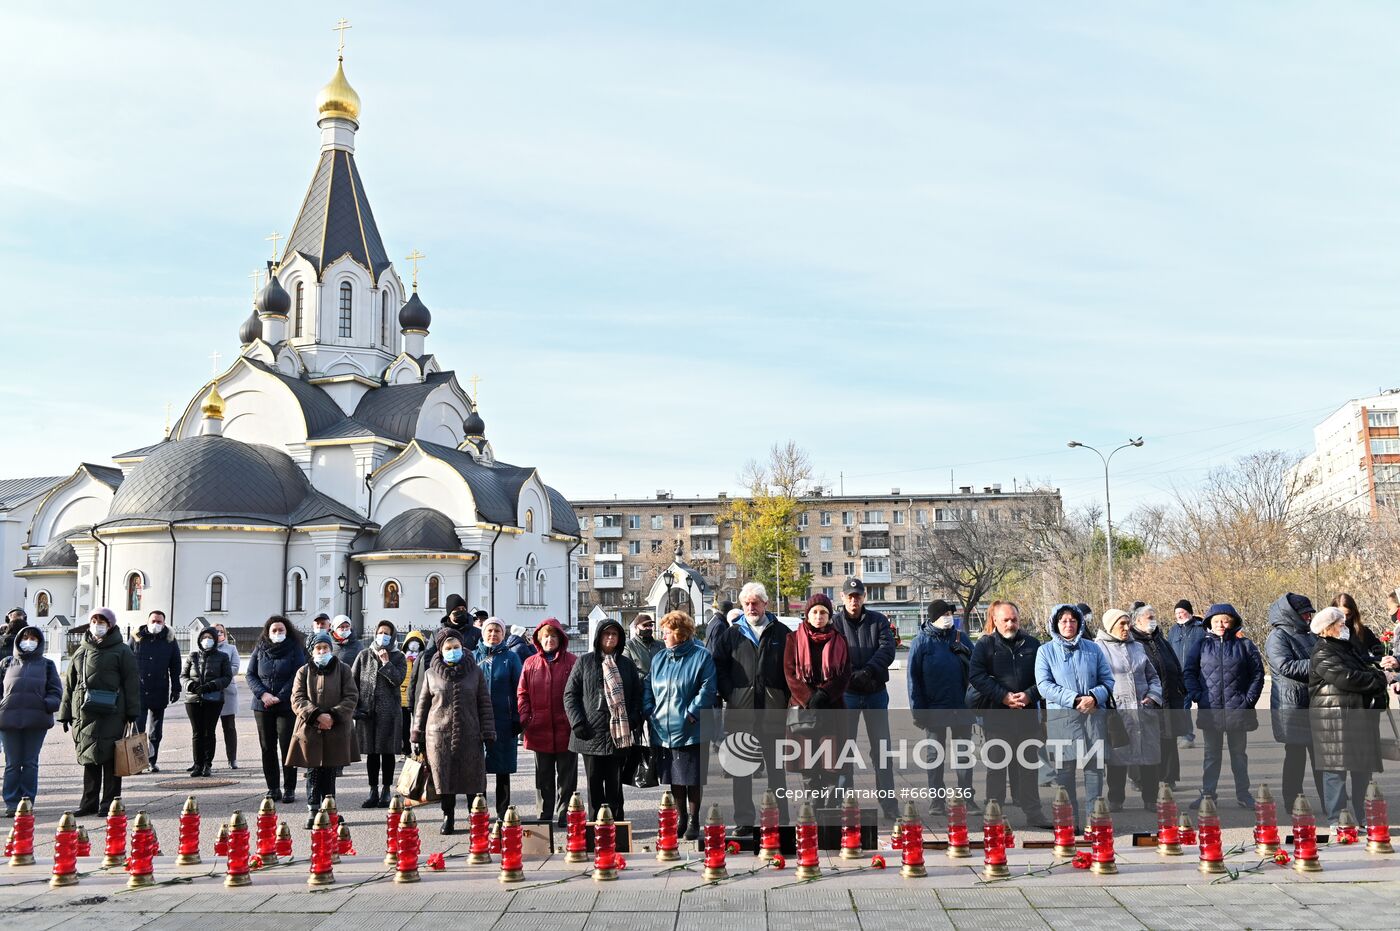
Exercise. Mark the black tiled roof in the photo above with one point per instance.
(496, 488)
(58, 553)
(419, 529)
(565, 521)
(392, 410)
(16, 490)
(336, 219)
(107, 475)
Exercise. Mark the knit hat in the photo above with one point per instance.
(817, 599)
(320, 637)
(1111, 617)
(1299, 603)
(1325, 619)
(1183, 603)
(106, 614)
(493, 620)
(938, 608)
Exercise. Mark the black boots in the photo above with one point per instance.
(372, 801)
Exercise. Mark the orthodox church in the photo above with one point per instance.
(334, 467)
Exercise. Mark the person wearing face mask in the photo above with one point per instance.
(380, 672)
(206, 675)
(1288, 651)
(101, 697)
(1137, 697)
(682, 686)
(606, 702)
(228, 715)
(644, 644)
(540, 704)
(32, 692)
(453, 724)
(502, 668)
(272, 672)
(1148, 633)
(15, 621)
(939, 667)
(459, 621)
(1002, 673)
(413, 645)
(1224, 677)
(348, 645)
(817, 666)
(158, 663)
(324, 698)
(1186, 631)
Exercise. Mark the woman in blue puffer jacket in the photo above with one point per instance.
(1224, 678)
(682, 684)
(32, 694)
(1075, 680)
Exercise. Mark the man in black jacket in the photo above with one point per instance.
(158, 665)
(749, 668)
(718, 623)
(870, 641)
(1002, 675)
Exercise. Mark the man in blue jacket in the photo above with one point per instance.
(870, 641)
(158, 664)
(1188, 631)
(939, 663)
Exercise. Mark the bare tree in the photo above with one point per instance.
(789, 468)
(972, 556)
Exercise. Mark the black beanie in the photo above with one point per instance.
(1183, 603)
(938, 608)
(1300, 603)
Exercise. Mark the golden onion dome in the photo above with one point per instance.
(338, 98)
(213, 406)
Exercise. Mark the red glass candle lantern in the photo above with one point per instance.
(1304, 837)
(850, 829)
(322, 844)
(1062, 819)
(84, 842)
(667, 830)
(576, 831)
(188, 852)
(1168, 841)
(1212, 855)
(994, 831)
(1101, 838)
(22, 854)
(769, 845)
(284, 842)
(221, 842)
(808, 859)
(391, 831)
(267, 831)
(495, 846)
(344, 844)
(1348, 832)
(237, 871)
(407, 847)
(605, 846)
(65, 853)
(512, 860)
(115, 850)
(716, 853)
(1377, 821)
(959, 847)
(896, 843)
(143, 850)
(1186, 830)
(1266, 839)
(911, 844)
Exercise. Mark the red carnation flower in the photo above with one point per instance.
(877, 862)
(777, 862)
(437, 861)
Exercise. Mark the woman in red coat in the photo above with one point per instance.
(540, 698)
(817, 665)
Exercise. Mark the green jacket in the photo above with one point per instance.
(111, 666)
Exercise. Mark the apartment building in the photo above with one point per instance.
(627, 541)
(1355, 462)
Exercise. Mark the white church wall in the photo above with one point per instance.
(14, 530)
(440, 420)
(418, 481)
(82, 502)
(258, 409)
(60, 589)
(411, 576)
(333, 473)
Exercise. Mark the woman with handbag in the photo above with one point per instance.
(272, 671)
(817, 665)
(101, 698)
(606, 703)
(380, 671)
(324, 698)
(1137, 697)
(682, 686)
(206, 675)
(453, 724)
(1224, 677)
(502, 666)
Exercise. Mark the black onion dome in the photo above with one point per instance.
(474, 425)
(250, 330)
(414, 315)
(273, 299)
(420, 529)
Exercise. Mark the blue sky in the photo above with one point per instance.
(913, 237)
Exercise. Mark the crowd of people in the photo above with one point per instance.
(466, 698)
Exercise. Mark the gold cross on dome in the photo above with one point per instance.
(256, 278)
(273, 239)
(214, 367)
(414, 257)
(340, 27)
(476, 380)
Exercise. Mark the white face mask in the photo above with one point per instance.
(383, 639)
(206, 644)
(1344, 633)
(29, 646)
(944, 622)
(277, 638)
(98, 631)
(1150, 625)
(156, 627)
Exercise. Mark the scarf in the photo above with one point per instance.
(748, 629)
(834, 653)
(618, 725)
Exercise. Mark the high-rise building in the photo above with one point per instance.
(1355, 462)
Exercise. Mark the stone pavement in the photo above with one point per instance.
(1355, 890)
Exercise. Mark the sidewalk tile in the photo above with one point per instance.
(393, 899)
(926, 920)
(231, 921)
(1116, 918)
(493, 900)
(366, 921)
(898, 900)
(1235, 893)
(1330, 894)
(157, 901)
(805, 898)
(830, 921)
(636, 921)
(722, 899)
(93, 921)
(636, 900)
(247, 900)
(1178, 918)
(720, 921)
(541, 921)
(996, 919)
(1280, 916)
(982, 897)
(1149, 897)
(1357, 915)
(553, 899)
(1068, 897)
(304, 902)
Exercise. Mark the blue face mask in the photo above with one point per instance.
(383, 640)
(321, 659)
(453, 655)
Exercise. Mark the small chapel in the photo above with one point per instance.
(335, 467)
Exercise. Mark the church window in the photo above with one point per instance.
(296, 591)
(384, 319)
(539, 587)
(346, 330)
(41, 604)
(522, 595)
(434, 591)
(299, 315)
(529, 520)
(391, 594)
(215, 594)
(134, 584)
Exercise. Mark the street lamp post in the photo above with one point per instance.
(1107, 502)
(669, 577)
(777, 579)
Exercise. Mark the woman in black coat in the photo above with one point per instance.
(591, 720)
(208, 671)
(271, 672)
(1344, 691)
(1164, 659)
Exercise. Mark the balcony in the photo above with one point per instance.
(705, 530)
(607, 557)
(875, 528)
(876, 578)
(875, 551)
(602, 584)
(607, 533)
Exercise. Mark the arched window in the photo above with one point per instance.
(529, 520)
(522, 588)
(134, 584)
(299, 315)
(216, 591)
(346, 328)
(391, 594)
(539, 587)
(296, 591)
(41, 604)
(384, 319)
(434, 591)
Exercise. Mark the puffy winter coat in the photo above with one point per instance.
(502, 668)
(1224, 678)
(1135, 682)
(206, 672)
(939, 670)
(1289, 648)
(379, 711)
(586, 703)
(348, 649)
(453, 719)
(158, 664)
(330, 689)
(749, 675)
(1065, 670)
(682, 685)
(540, 694)
(106, 665)
(1184, 637)
(273, 668)
(414, 636)
(32, 689)
(870, 639)
(1344, 690)
(518, 645)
